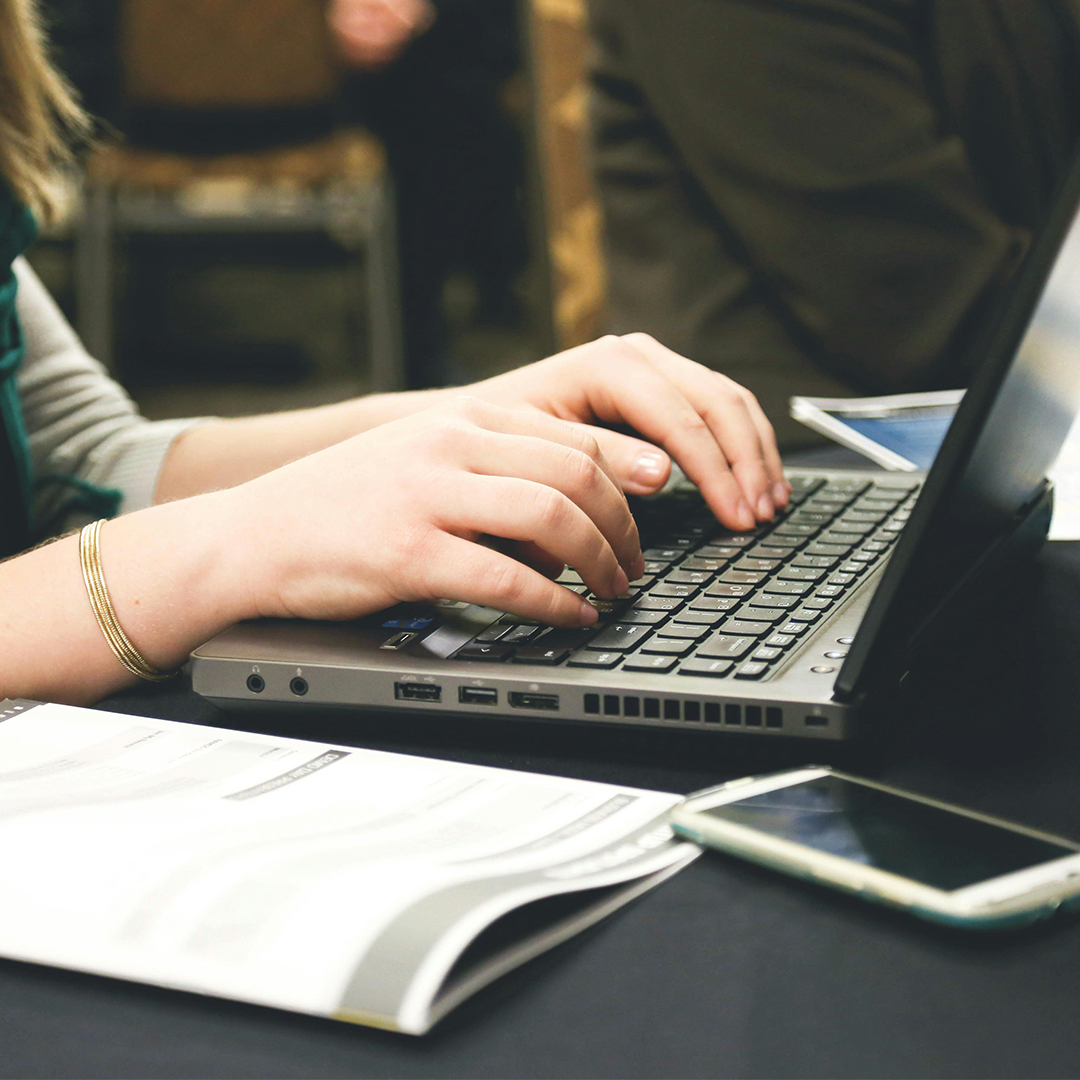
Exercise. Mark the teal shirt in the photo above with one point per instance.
(17, 232)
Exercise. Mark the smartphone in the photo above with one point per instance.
(938, 861)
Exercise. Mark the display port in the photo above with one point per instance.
(534, 701)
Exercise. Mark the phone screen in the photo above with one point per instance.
(936, 847)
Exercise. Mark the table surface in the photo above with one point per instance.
(725, 970)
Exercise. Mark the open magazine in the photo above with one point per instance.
(904, 431)
(372, 887)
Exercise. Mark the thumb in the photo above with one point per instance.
(641, 467)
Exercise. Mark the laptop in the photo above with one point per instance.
(794, 629)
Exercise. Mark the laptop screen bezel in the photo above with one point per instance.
(889, 628)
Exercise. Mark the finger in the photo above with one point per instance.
(781, 489)
(540, 560)
(524, 510)
(624, 386)
(568, 470)
(535, 422)
(723, 404)
(478, 575)
(641, 467)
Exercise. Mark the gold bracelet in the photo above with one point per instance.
(101, 603)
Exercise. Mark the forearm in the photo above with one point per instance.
(172, 572)
(229, 452)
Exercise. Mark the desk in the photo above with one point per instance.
(726, 970)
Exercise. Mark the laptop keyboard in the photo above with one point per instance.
(715, 603)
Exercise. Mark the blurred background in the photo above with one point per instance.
(290, 202)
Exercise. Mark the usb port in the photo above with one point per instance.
(417, 691)
(534, 701)
(477, 695)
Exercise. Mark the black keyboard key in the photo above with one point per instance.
(588, 659)
(493, 651)
(830, 591)
(728, 589)
(780, 641)
(658, 663)
(619, 637)
(737, 540)
(657, 603)
(645, 618)
(811, 517)
(750, 563)
(765, 550)
(667, 646)
(569, 576)
(841, 579)
(817, 548)
(767, 653)
(805, 615)
(752, 669)
(800, 573)
(695, 562)
(792, 628)
(761, 614)
(794, 529)
(663, 555)
(774, 600)
(656, 569)
(851, 568)
(788, 543)
(725, 647)
(817, 562)
(871, 517)
(863, 557)
(741, 577)
(817, 603)
(698, 665)
(492, 633)
(673, 590)
(688, 577)
(685, 631)
(848, 526)
(718, 603)
(743, 626)
(787, 588)
(700, 618)
(517, 634)
(713, 551)
(875, 545)
(547, 655)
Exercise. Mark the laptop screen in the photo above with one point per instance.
(992, 465)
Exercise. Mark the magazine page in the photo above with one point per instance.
(323, 879)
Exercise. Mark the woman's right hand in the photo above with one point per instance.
(404, 513)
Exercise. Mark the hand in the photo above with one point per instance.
(713, 427)
(401, 513)
(371, 33)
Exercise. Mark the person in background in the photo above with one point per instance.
(826, 196)
(328, 513)
(430, 82)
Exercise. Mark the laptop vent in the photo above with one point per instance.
(688, 711)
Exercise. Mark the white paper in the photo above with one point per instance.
(264, 868)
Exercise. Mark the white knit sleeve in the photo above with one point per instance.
(80, 422)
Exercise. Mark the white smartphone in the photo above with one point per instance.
(938, 861)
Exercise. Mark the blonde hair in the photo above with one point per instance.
(38, 110)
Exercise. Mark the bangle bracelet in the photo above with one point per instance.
(101, 603)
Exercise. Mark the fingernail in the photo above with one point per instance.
(765, 508)
(650, 469)
(780, 493)
(621, 584)
(588, 614)
(745, 515)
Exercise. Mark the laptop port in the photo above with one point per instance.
(817, 721)
(534, 701)
(299, 686)
(256, 684)
(417, 691)
(477, 695)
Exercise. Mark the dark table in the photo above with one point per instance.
(726, 970)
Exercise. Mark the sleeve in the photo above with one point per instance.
(81, 424)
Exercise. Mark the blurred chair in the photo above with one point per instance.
(558, 52)
(231, 106)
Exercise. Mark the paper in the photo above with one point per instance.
(328, 880)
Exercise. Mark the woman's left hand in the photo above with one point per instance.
(713, 427)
